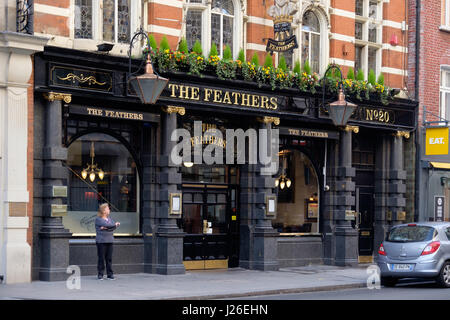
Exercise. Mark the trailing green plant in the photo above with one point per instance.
(196, 63)
(227, 54)
(269, 61)
(183, 46)
(307, 68)
(351, 74)
(197, 48)
(297, 67)
(226, 69)
(248, 71)
(360, 75)
(372, 79)
(282, 63)
(255, 59)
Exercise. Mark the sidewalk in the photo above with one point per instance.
(210, 284)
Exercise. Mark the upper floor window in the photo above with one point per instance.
(104, 20)
(311, 41)
(445, 93)
(368, 35)
(446, 15)
(211, 22)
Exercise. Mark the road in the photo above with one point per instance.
(403, 291)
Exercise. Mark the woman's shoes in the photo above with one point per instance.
(100, 277)
(111, 277)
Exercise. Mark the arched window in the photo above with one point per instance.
(215, 21)
(101, 170)
(311, 41)
(298, 194)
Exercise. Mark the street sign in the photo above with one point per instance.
(439, 202)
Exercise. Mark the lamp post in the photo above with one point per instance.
(149, 85)
(340, 110)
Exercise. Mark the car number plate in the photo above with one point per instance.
(401, 267)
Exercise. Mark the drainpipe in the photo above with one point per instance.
(418, 131)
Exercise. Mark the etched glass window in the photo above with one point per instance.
(358, 58)
(83, 19)
(116, 20)
(372, 59)
(359, 7)
(193, 27)
(311, 41)
(373, 5)
(358, 30)
(222, 24)
(372, 32)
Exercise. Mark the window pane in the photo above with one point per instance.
(372, 32)
(108, 20)
(83, 19)
(447, 105)
(305, 47)
(359, 4)
(315, 53)
(372, 59)
(228, 32)
(215, 31)
(124, 21)
(358, 30)
(223, 6)
(310, 22)
(358, 58)
(447, 77)
(288, 57)
(373, 9)
(193, 27)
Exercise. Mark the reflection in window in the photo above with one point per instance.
(116, 16)
(311, 41)
(83, 19)
(118, 188)
(298, 206)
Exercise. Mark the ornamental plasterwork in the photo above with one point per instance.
(317, 6)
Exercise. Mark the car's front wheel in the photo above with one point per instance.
(443, 278)
(388, 281)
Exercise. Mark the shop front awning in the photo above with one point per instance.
(440, 165)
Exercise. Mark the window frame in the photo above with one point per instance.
(444, 89)
(310, 40)
(206, 37)
(120, 48)
(366, 21)
(445, 20)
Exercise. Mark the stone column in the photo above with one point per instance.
(258, 239)
(15, 70)
(397, 178)
(345, 236)
(54, 238)
(168, 237)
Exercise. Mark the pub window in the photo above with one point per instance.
(215, 21)
(113, 180)
(368, 39)
(298, 201)
(311, 41)
(103, 20)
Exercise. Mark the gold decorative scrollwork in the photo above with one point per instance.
(355, 129)
(91, 80)
(405, 134)
(53, 96)
(172, 109)
(274, 120)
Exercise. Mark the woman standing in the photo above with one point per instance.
(104, 227)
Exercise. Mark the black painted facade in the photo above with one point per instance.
(343, 179)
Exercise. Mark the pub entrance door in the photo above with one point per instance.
(211, 222)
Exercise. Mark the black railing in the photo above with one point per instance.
(24, 17)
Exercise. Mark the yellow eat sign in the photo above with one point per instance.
(436, 141)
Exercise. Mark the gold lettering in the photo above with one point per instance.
(236, 95)
(207, 94)
(245, 100)
(195, 93)
(255, 101)
(386, 117)
(265, 102)
(141, 116)
(226, 98)
(217, 96)
(184, 90)
(274, 103)
(369, 115)
(173, 87)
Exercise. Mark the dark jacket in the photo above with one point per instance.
(105, 235)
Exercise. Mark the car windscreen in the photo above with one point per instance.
(411, 234)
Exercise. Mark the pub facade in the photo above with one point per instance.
(334, 194)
